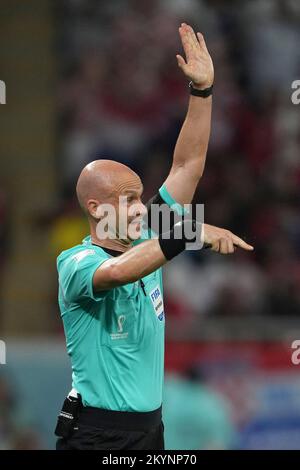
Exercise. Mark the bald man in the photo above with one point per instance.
(110, 286)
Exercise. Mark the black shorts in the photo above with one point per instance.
(98, 429)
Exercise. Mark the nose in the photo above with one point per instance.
(142, 210)
(137, 210)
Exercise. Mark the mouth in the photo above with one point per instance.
(135, 227)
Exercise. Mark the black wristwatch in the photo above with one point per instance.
(202, 93)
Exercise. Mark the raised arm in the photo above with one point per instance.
(187, 168)
(191, 147)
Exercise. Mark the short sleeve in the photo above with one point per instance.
(76, 274)
(170, 201)
(172, 212)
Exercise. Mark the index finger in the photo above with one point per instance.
(237, 241)
(189, 44)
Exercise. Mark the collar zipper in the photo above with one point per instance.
(143, 286)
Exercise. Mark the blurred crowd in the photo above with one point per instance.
(16, 426)
(122, 96)
(4, 231)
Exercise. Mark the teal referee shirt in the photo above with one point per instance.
(115, 338)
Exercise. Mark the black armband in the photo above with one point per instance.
(174, 242)
(202, 93)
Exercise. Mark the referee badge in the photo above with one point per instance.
(157, 302)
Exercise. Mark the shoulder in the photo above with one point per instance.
(79, 255)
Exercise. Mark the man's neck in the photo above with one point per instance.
(110, 243)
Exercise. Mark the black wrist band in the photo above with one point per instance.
(171, 245)
(202, 93)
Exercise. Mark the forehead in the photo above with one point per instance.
(138, 188)
(130, 183)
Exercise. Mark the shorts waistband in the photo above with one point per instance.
(127, 420)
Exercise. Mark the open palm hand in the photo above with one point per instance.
(198, 66)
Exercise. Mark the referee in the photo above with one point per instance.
(110, 287)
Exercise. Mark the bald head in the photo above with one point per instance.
(102, 180)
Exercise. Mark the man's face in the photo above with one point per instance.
(131, 210)
(123, 210)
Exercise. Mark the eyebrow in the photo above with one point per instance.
(134, 191)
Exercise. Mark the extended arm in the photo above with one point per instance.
(148, 256)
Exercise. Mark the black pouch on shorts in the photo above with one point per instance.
(68, 416)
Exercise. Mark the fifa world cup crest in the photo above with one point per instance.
(121, 320)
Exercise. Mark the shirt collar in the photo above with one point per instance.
(88, 241)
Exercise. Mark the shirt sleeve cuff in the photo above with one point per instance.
(91, 292)
(168, 199)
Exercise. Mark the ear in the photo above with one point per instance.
(92, 208)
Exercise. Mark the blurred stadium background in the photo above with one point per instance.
(92, 78)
